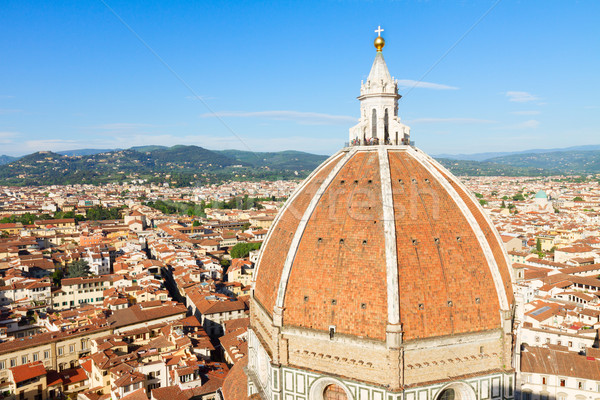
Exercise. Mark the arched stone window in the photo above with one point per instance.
(374, 124)
(456, 391)
(326, 388)
(447, 394)
(386, 131)
(334, 392)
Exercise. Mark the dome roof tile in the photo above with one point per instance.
(449, 272)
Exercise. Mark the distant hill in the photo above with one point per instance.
(565, 162)
(490, 156)
(287, 160)
(193, 165)
(177, 165)
(482, 168)
(144, 149)
(7, 159)
(84, 152)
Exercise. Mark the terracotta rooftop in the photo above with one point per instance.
(333, 229)
(28, 371)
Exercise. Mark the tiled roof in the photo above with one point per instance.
(28, 371)
(235, 386)
(542, 360)
(330, 266)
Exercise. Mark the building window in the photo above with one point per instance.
(46, 354)
(2, 364)
(23, 359)
(61, 350)
(570, 344)
(579, 385)
(563, 383)
(13, 362)
(544, 380)
(36, 356)
(72, 348)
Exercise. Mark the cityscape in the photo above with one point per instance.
(152, 260)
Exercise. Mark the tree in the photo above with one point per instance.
(242, 250)
(57, 276)
(478, 195)
(578, 198)
(518, 197)
(538, 245)
(196, 223)
(503, 205)
(483, 202)
(494, 193)
(78, 269)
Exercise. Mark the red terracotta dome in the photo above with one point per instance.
(381, 236)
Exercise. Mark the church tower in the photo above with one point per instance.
(379, 121)
(381, 278)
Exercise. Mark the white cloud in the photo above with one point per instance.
(531, 112)
(121, 126)
(54, 144)
(409, 83)
(7, 137)
(7, 134)
(529, 124)
(451, 121)
(304, 118)
(532, 123)
(4, 111)
(521, 97)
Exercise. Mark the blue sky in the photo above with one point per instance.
(494, 75)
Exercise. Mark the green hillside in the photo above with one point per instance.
(286, 160)
(177, 165)
(6, 159)
(565, 162)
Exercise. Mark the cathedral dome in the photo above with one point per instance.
(381, 274)
(380, 236)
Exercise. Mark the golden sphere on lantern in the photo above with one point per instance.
(379, 43)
